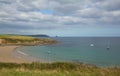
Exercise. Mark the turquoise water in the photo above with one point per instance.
(99, 51)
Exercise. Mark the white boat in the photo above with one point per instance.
(91, 44)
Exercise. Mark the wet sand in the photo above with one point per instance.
(6, 55)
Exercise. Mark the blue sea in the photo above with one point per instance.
(99, 51)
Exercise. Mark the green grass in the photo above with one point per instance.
(55, 69)
(23, 40)
(15, 36)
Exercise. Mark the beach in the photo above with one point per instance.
(6, 55)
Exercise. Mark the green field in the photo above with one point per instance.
(9, 39)
(55, 69)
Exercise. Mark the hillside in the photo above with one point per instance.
(10, 39)
(55, 69)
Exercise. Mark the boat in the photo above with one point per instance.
(91, 44)
(108, 48)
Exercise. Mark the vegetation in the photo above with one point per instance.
(55, 69)
(9, 39)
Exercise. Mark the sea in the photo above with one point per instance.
(98, 51)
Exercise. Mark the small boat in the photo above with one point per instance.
(91, 44)
(108, 48)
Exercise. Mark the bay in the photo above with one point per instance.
(99, 51)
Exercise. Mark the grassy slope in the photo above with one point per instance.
(19, 39)
(15, 36)
(55, 69)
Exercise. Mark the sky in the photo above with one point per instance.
(60, 17)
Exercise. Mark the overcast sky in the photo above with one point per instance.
(60, 17)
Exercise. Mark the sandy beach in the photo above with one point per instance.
(6, 55)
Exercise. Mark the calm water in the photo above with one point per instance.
(100, 51)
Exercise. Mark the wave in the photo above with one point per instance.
(22, 53)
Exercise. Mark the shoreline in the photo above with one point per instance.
(7, 55)
(13, 54)
(19, 53)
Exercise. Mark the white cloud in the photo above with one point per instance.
(26, 14)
